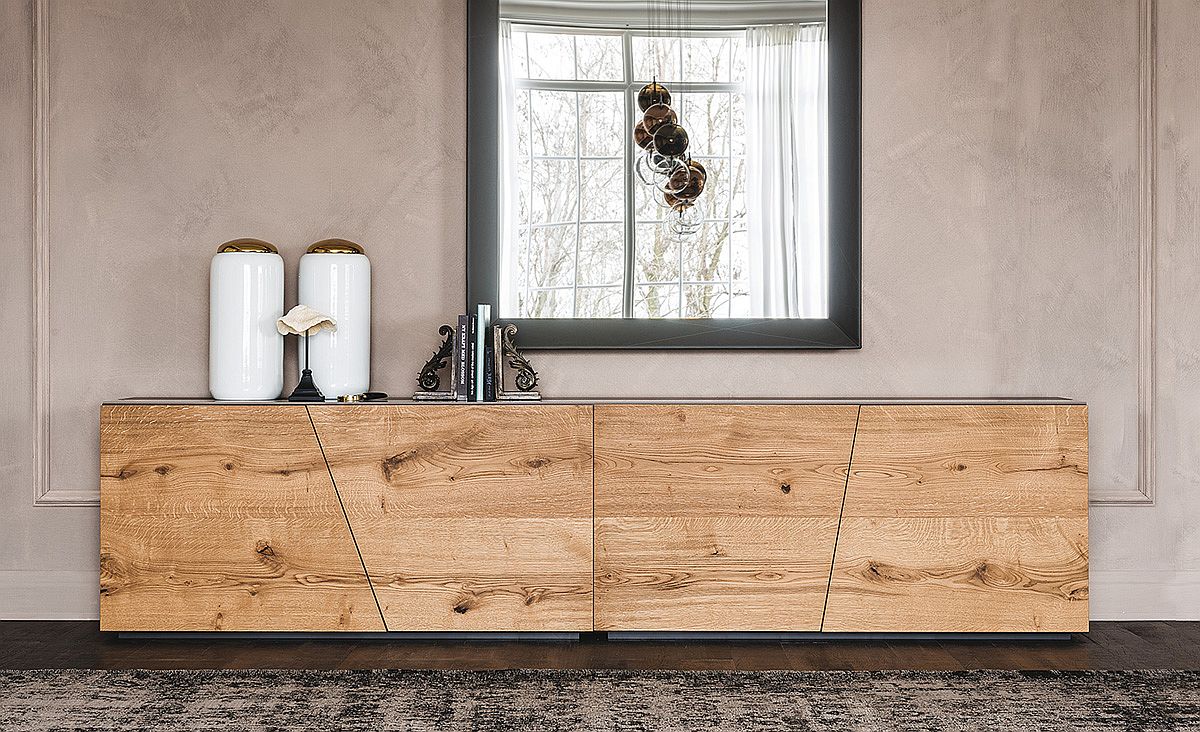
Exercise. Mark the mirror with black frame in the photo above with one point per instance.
(668, 173)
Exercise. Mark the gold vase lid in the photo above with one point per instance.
(336, 246)
(247, 245)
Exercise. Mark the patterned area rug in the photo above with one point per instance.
(599, 700)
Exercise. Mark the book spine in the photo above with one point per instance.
(489, 372)
(483, 326)
(472, 358)
(462, 352)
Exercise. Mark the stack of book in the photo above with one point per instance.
(474, 372)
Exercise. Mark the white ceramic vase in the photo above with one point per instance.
(335, 279)
(245, 351)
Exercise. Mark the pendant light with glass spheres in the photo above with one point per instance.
(663, 162)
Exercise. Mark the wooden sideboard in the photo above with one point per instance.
(834, 516)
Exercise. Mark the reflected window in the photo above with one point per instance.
(583, 237)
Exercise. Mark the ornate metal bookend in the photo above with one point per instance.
(507, 355)
(430, 378)
(506, 359)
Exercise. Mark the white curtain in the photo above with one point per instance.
(786, 170)
(509, 184)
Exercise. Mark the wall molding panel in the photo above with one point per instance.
(1143, 493)
(47, 493)
(44, 492)
(1147, 244)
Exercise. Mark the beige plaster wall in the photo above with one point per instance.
(1001, 232)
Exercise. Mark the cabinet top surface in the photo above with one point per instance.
(1049, 401)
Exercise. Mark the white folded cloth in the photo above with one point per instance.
(303, 320)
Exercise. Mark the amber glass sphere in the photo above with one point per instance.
(641, 137)
(678, 179)
(657, 116)
(652, 94)
(695, 182)
(671, 139)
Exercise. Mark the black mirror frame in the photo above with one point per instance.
(843, 328)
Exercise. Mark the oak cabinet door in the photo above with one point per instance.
(964, 518)
(223, 517)
(715, 517)
(469, 517)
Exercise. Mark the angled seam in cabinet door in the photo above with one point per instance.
(350, 528)
(837, 535)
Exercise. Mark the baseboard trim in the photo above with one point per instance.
(1135, 594)
(29, 594)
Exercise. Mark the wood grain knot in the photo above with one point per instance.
(264, 549)
(1062, 465)
(997, 575)
(462, 606)
(608, 578)
(881, 573)
(391, 465)
(786, 488)
(228, 466)
(534, 595)
(537, 462)
(163, 469)
(112, 574)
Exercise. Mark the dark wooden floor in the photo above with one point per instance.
(1137, 645)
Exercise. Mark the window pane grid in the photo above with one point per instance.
(674, 292)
